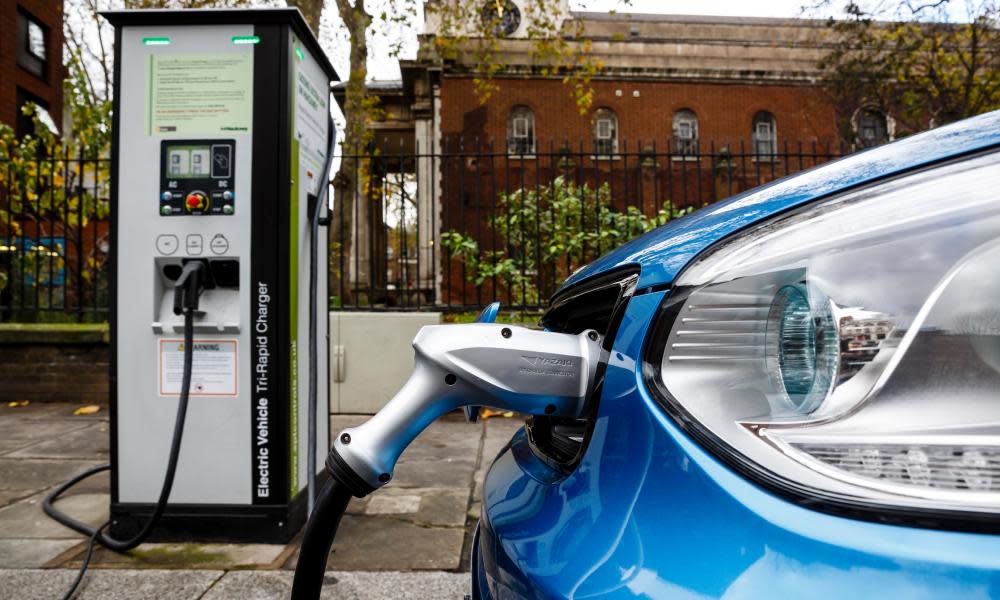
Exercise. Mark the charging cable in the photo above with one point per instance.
(187, 291)
(315, 221)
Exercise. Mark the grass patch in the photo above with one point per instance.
(179, 555)
(525, 318)
(54, 333)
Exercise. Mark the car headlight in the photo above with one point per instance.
(849, 352)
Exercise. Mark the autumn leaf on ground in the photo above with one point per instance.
(87, 410)
(18, 403)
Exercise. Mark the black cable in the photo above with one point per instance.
(168, 480)
(86, 563)
(331, 502)
(324, 183)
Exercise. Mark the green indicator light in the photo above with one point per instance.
(156, 41)
(298, 52)
(245, 39)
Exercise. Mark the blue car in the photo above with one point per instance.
(800, 398)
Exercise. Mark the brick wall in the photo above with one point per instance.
(725, 111)
(54, 372)
(49, 88)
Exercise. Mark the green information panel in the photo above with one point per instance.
(199, 94)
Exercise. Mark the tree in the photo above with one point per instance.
(915, 67)
(550, 229)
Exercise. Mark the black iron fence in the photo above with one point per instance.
(455, 229)
(447, 230)
(53, 239)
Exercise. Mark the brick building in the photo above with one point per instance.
(686, 110)
(31, 67)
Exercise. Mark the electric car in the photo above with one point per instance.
(798, 397)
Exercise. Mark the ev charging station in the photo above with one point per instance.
(221, 137)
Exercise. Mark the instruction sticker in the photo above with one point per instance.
(213, 371)
(311, 114)
(199, 94)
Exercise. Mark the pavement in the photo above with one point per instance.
(431, 505)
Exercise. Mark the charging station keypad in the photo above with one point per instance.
(196, 177)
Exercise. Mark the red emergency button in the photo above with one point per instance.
(196, 201)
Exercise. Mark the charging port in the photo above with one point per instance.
(225, 272)
(218, 273)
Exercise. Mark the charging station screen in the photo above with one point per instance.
(186, 162)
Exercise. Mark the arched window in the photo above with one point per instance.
(765, 136)
(521, 131)
(872, 128)
(685, 130)
(605, 132)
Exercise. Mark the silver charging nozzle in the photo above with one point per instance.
(478, 364)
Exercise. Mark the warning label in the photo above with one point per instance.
(213, 371)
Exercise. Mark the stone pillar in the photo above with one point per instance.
(428, 167)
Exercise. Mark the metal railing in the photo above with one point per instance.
(457, 228)
(53, 239)
(451, 229)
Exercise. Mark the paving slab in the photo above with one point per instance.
(37, 474)
(274, 585)
(388, 544)
(31, 553)
(45, 584)
(456, 439)
(11, 496)
(441, 507)
(10, 445)
(25, 518)
(444, 472)
(385, 504)
(383, 543)
(90, 441)
(22, 429)
(187, 556)
(99, 483)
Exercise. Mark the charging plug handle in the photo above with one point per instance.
(501, 366)
(189, 286)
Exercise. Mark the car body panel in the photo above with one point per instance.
(650, 514)
(662, 253)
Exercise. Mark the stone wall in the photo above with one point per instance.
(54, 364)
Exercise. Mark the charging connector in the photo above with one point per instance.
(478, 364)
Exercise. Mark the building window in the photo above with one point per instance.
(872, 128)
(32, 45)
(685, 133)
(25, 124)
(765, 136)
(605, 132)
(521, 131)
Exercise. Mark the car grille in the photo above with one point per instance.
(598, 304)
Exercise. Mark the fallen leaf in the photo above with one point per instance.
(487, 413)
(18, 403)
(87, 410)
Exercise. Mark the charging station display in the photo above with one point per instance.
(196, 177)
(220, 138)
